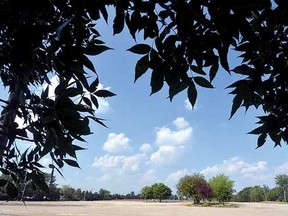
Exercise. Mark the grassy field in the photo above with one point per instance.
(136, 208)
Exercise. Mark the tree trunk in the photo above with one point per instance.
(284, 193)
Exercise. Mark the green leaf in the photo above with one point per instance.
(192, 94)
(72, 163)
(201, 81)
(141, 66)
(104, 93)
(140, 49)
(96, 49)
(237, 102)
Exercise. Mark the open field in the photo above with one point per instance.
(135, 208)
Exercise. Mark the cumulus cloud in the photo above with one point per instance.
(175, 176)
(149, 177)
(165, 155)
(118, 162)
(108, 161)
(171, 142)
(116, 143)
(181, 136)
(283, 168)
(236, 165)
(145, 148)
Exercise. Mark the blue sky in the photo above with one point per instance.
(152, 140)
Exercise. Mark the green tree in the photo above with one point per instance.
(104, 194)
(147, 192)
(222, 188)
(257, 194)
(244, 195)
(281, 181)
(194, 186)
(275, 194)
(68, 193)
(185, 44)
(161, 191)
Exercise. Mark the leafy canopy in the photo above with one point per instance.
(190, 44)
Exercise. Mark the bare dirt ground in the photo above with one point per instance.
(136, 208)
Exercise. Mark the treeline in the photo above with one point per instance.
(259, 193)
(190, 187)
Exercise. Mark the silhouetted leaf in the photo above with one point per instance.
(72, 163)
(261, 140)
(118, 23)
(141, 67)
(140, 49)
(94, 85)
(196, 69)
(237, 102)
(157, 81)
(104, 93)
(213, 71)
(201, 81)
(96, 49)
(192, 94)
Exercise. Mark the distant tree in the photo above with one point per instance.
(222, 188)
(161, 191)
(104, 194)
(244, 195)
(194, 186)
(147, 192)
(281, 181)
(68, 193)
(275, 194)
(257, 194)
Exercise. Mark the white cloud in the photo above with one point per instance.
(104, 106)
(145, 148)
(131, 163)
(181, 136)
(180, 123)
(165, 155)
(236, 165)
(108, 161)
(283, 168)
(175, 176)
(171, 143)
(119, 163)
(116, 143)
(149, 177)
